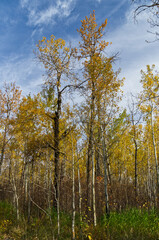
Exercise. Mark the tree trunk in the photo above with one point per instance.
(149, 181)
(93, 190)
(56, 149)
(16, 198)
(88, 199)
(136, 175)
(105, 159)
(73, 194)
(3, 149)
(49, 175)
(97, 152)
(90, 154)
(155, 156)
(79, 189)
(56, 202)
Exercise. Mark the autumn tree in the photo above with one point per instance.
(91, 48)
(135, 117)
(100, 81)
(9, 100)
(29, 135)
(56, 58)
(149, 99)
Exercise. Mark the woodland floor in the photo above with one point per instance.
(129, 224)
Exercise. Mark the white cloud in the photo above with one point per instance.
(61, 8)
(128, 39)
(24, 71)
(24, 3)
(43, 17)
(115, 9)
(134, 52)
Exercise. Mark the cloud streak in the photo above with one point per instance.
(128, 39)
(134, 52)
(117, 8)
(61, 9)
(24, 71)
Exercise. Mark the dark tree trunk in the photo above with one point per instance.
(136, 176)
(56, 202)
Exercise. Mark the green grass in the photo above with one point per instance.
(130, 224)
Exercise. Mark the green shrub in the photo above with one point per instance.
(130, 224)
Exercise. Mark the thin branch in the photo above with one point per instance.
(39, 206)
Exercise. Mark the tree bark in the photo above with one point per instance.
(56, 151)
(105, 159)
(56, 202)
(73, 194)
(136, 175)
(155, 156)
(93, 190)
(79, 189)
(3, 149)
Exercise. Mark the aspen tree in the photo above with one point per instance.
(102, 86)
(135, 118)
(149, 99)
(9, 100)
(28, 130)
(55, 57)
(91, 48)
(73, 191)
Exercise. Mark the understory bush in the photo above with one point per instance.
(130, 224)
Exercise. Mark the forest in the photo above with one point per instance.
(74, 163)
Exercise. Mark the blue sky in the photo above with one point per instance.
(24, 22)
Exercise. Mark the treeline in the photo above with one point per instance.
(87, 158)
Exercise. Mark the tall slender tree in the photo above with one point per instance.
(9, 100)
(149, 100)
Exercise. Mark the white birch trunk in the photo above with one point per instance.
(73, 194)
(93, 189)
(105, 177)
(155, 151)
(79, 189)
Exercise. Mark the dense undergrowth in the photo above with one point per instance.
(128, 224)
